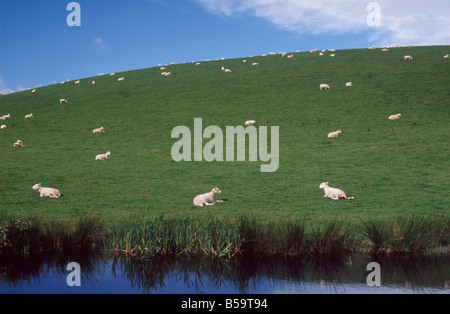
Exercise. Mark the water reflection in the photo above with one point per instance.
(119, 274)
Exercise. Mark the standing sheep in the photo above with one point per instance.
(333, 193)
(207, 198)
(102, 156)
(62, 101)
(324, 86)
(46, 192)
(407, 57)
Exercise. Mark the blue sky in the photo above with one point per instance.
(38, 47)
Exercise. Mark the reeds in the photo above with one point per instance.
(25, 236)
(412, 235)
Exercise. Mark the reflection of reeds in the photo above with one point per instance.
(415, 234)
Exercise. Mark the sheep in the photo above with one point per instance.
(62, 101)
(47, 192)
(446, 56)
(93, 82)
(120, 79)
(28, 116)
(348, 84)
(111, 74)
(77, 82)
(332, 55)
(19, 143)
(384, 49)
(99, 130)
(207, 198)
(334, 134)
(255, 63)
(407, 57)
(33, 91)
(3, 127)
(103, 156)
(395, 116)
(6, 116)
(324, 86)
(250, 122)
(333, 193)
(165, 73)
(227, 71)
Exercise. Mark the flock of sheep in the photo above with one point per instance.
(207, 199)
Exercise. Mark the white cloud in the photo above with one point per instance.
(422, 22)
(3, 88)
(99, 43)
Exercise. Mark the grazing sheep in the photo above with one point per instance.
(46, 192)
(207, 198)
(395, 116)
(227, 71)
(407, 57)
(62, 101)
(102, 156)
(250, 122)
(324, 86)
(120, 79)
(446, 56)
(334, 134)
(99, 130)
(3, 126)
(333, 193)
(348, 84)
(19, 143)
(28, 116)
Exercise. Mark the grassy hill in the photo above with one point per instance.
(392, 168)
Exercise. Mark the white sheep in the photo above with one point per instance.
(99, 130)
(407, 57)
(6, 116)
(333, 193)
(62, 101)
(207, 198)
(255, 63)
(395, 116)
(19, 143)
(46, 192)
(446, 56)
(120, 79)
(250, 122)
(3, 127)
(324, 86)
(103, 156)
(227, 71)
(29, 116)
(334, 134)
(77, 82)
(93, 82)
(348, 84)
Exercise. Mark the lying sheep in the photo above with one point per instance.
(207, 198)
(29, 116)
(46, 192)
(120, 79)
(99, 130)
(62, 101)
(446, 56)
(348, 84)
(3, 127)
(333, 193)
(250, 122)
(102, 156)
(19, 143)
(334, 134)
(6, 116)
(324, 86)
(395, 116)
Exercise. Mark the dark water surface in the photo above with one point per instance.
(119, 275)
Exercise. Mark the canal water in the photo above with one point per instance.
(119, 275)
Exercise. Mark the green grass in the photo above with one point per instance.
(392, 168)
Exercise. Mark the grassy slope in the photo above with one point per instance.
(393, 168)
